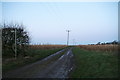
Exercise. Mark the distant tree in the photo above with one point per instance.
(102, 43)
(98, 43)
(8, 39)
(114, 42)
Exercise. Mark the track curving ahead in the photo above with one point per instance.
(46, 68)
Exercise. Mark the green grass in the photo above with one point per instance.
(34, 54)
(92, 64)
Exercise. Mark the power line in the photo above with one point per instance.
(68, 37)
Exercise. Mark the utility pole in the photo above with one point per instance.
(68, 37)
(15, 46)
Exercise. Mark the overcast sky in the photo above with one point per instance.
(47, 22)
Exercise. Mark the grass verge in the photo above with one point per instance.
(92, 64)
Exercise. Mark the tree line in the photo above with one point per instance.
(106, 43)
(14, 36)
